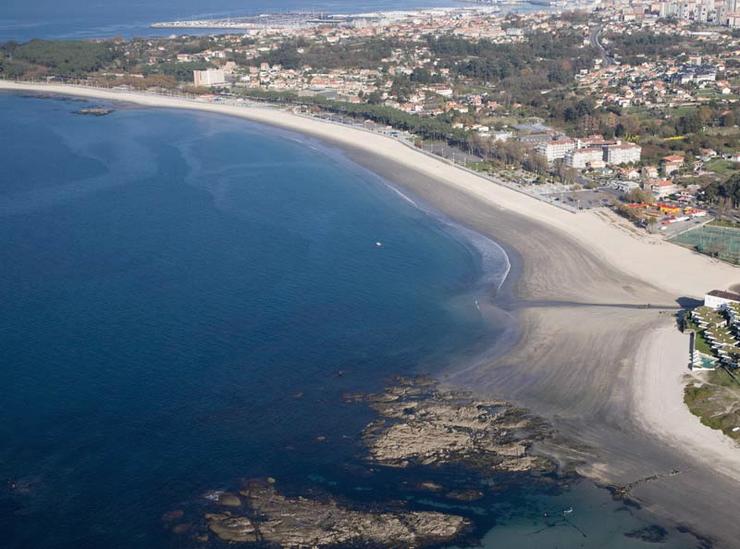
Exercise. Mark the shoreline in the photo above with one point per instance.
(579, 287)
(660, 400)
(586, 227)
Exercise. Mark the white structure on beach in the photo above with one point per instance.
(718, 298)
(209, 77)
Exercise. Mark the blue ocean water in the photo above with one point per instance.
(185, 300)
(23, 20)
(170, 282)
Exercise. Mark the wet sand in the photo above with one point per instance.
(580, 362)
(580, 286)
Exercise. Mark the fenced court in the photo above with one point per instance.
(720, 242)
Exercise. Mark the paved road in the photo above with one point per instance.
(595, 39)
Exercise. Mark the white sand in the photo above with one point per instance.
(666, 266)
(658, 399)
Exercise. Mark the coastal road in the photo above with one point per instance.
(595, 39)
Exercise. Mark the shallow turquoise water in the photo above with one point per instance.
(185, 300)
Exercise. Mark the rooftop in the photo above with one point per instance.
(724, 295)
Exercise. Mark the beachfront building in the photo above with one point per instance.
(701, 361)
(717, 299)
(209, 77)
(713, 330)
(716, 331)
(733, 314)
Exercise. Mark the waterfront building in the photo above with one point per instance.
(719, 298)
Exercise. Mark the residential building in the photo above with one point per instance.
(623, 153)
(209, 77)
(625, 186)
(718, 298)
(671, 164)
(555, 149)
(649, 172)
(662, 187)
(589, 157)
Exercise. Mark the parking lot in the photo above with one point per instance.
(585, 198)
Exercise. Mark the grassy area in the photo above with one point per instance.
(715, 400)
(732, 130)
(700, 342)
(501, 121)
(714, 94)
(702, 345)
(724, 223)
(480, 166)
(721, 166)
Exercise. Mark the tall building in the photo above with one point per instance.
(586, 157)
(622, 153)
(555, 148)
(209, 77)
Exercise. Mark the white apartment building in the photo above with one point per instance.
(555, 148)
(717, 298)
(209, 77)
(622, 153)
(587, 157)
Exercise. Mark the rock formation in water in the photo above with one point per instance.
(418, 424)
(421, 425)
(273, 518)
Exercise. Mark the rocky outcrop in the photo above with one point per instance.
(420, 424)
(273, 518)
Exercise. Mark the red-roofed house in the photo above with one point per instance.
(672, 163)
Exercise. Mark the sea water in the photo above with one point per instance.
(77, 19)
(185, 300)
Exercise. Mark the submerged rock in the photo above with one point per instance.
(95, 111)
(430, 486)
(464, 495)
(649, 534)
(422, 425)
(227, 499)
(311, 522)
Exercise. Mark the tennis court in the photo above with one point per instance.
(721, 242)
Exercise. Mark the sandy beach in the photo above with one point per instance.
(657, 357)
(591, 356)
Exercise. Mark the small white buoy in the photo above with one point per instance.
(378, 244)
